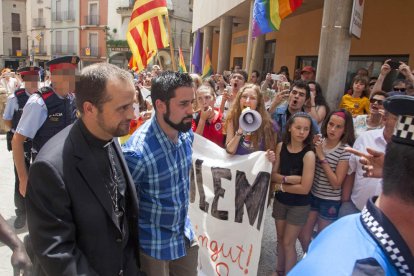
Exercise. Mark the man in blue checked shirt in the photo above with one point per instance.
(159, 158)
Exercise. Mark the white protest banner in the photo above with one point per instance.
(227, 208)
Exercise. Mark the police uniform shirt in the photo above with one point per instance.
(33, 117)
(11, 106)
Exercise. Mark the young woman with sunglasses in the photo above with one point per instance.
(373, 120)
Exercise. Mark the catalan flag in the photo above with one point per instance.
(267, 14)
(181, 64)
(146, 31)
(132, 64)
(208, 68)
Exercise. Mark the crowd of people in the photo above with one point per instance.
(98, 205)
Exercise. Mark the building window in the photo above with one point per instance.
(58, 14)
(268, 57)
(71, 11)
(93, 16)
(71, 42)
(15, 22)
(58, 42)
(93, 44)
(16, 45)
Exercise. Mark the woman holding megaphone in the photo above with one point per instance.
(249, 127)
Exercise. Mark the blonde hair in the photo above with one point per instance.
(266, 132)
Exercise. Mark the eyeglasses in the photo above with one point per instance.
(399, 89)
(379, 102)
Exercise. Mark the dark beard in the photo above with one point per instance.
(181, 126)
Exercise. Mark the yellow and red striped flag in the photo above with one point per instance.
(146, 31)
(132, 64)
(181, 64)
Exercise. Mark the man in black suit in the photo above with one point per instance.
(81, 201)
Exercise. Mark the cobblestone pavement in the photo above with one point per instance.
(267, 259)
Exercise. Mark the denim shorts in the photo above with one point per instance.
(327, 209)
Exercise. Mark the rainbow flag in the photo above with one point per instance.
(267, 14)
(181, 64)
(208, 68)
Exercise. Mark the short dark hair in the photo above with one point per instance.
(398, 172)
(348, 137)
(241, 72)
(91, 84)
(381, 93)
(164, 85)
(302, 85)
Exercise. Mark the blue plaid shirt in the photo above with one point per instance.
(161, 169)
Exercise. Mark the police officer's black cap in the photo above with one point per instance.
(30, 70)
(63, 62)
(403, 107)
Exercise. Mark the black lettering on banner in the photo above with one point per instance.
(254, 197)
(218, 174)
(199, 177)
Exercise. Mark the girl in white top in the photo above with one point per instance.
(330, 171)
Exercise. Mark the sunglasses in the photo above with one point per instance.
(399, 89)
(379, 102)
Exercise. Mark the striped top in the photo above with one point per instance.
(321, 187)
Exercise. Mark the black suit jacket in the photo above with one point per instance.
(71, 222)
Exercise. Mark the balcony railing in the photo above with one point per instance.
(90, 51)
(57, 16)
(40, 51)
(58, 49)
(18, 52)
(92, 20)
(69, 15)
(16, 27)
(38, 22)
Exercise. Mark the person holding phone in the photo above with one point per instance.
(10, 81)
(225, 101)
(398, 86)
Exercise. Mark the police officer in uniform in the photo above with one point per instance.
(46, 113)
(11, 116)
(379, 240)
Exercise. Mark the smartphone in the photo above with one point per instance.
(394, 64)
(276, 77)
(285, 85)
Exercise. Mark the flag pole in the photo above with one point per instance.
(167, 20)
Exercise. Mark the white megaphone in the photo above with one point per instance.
(250, 120)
